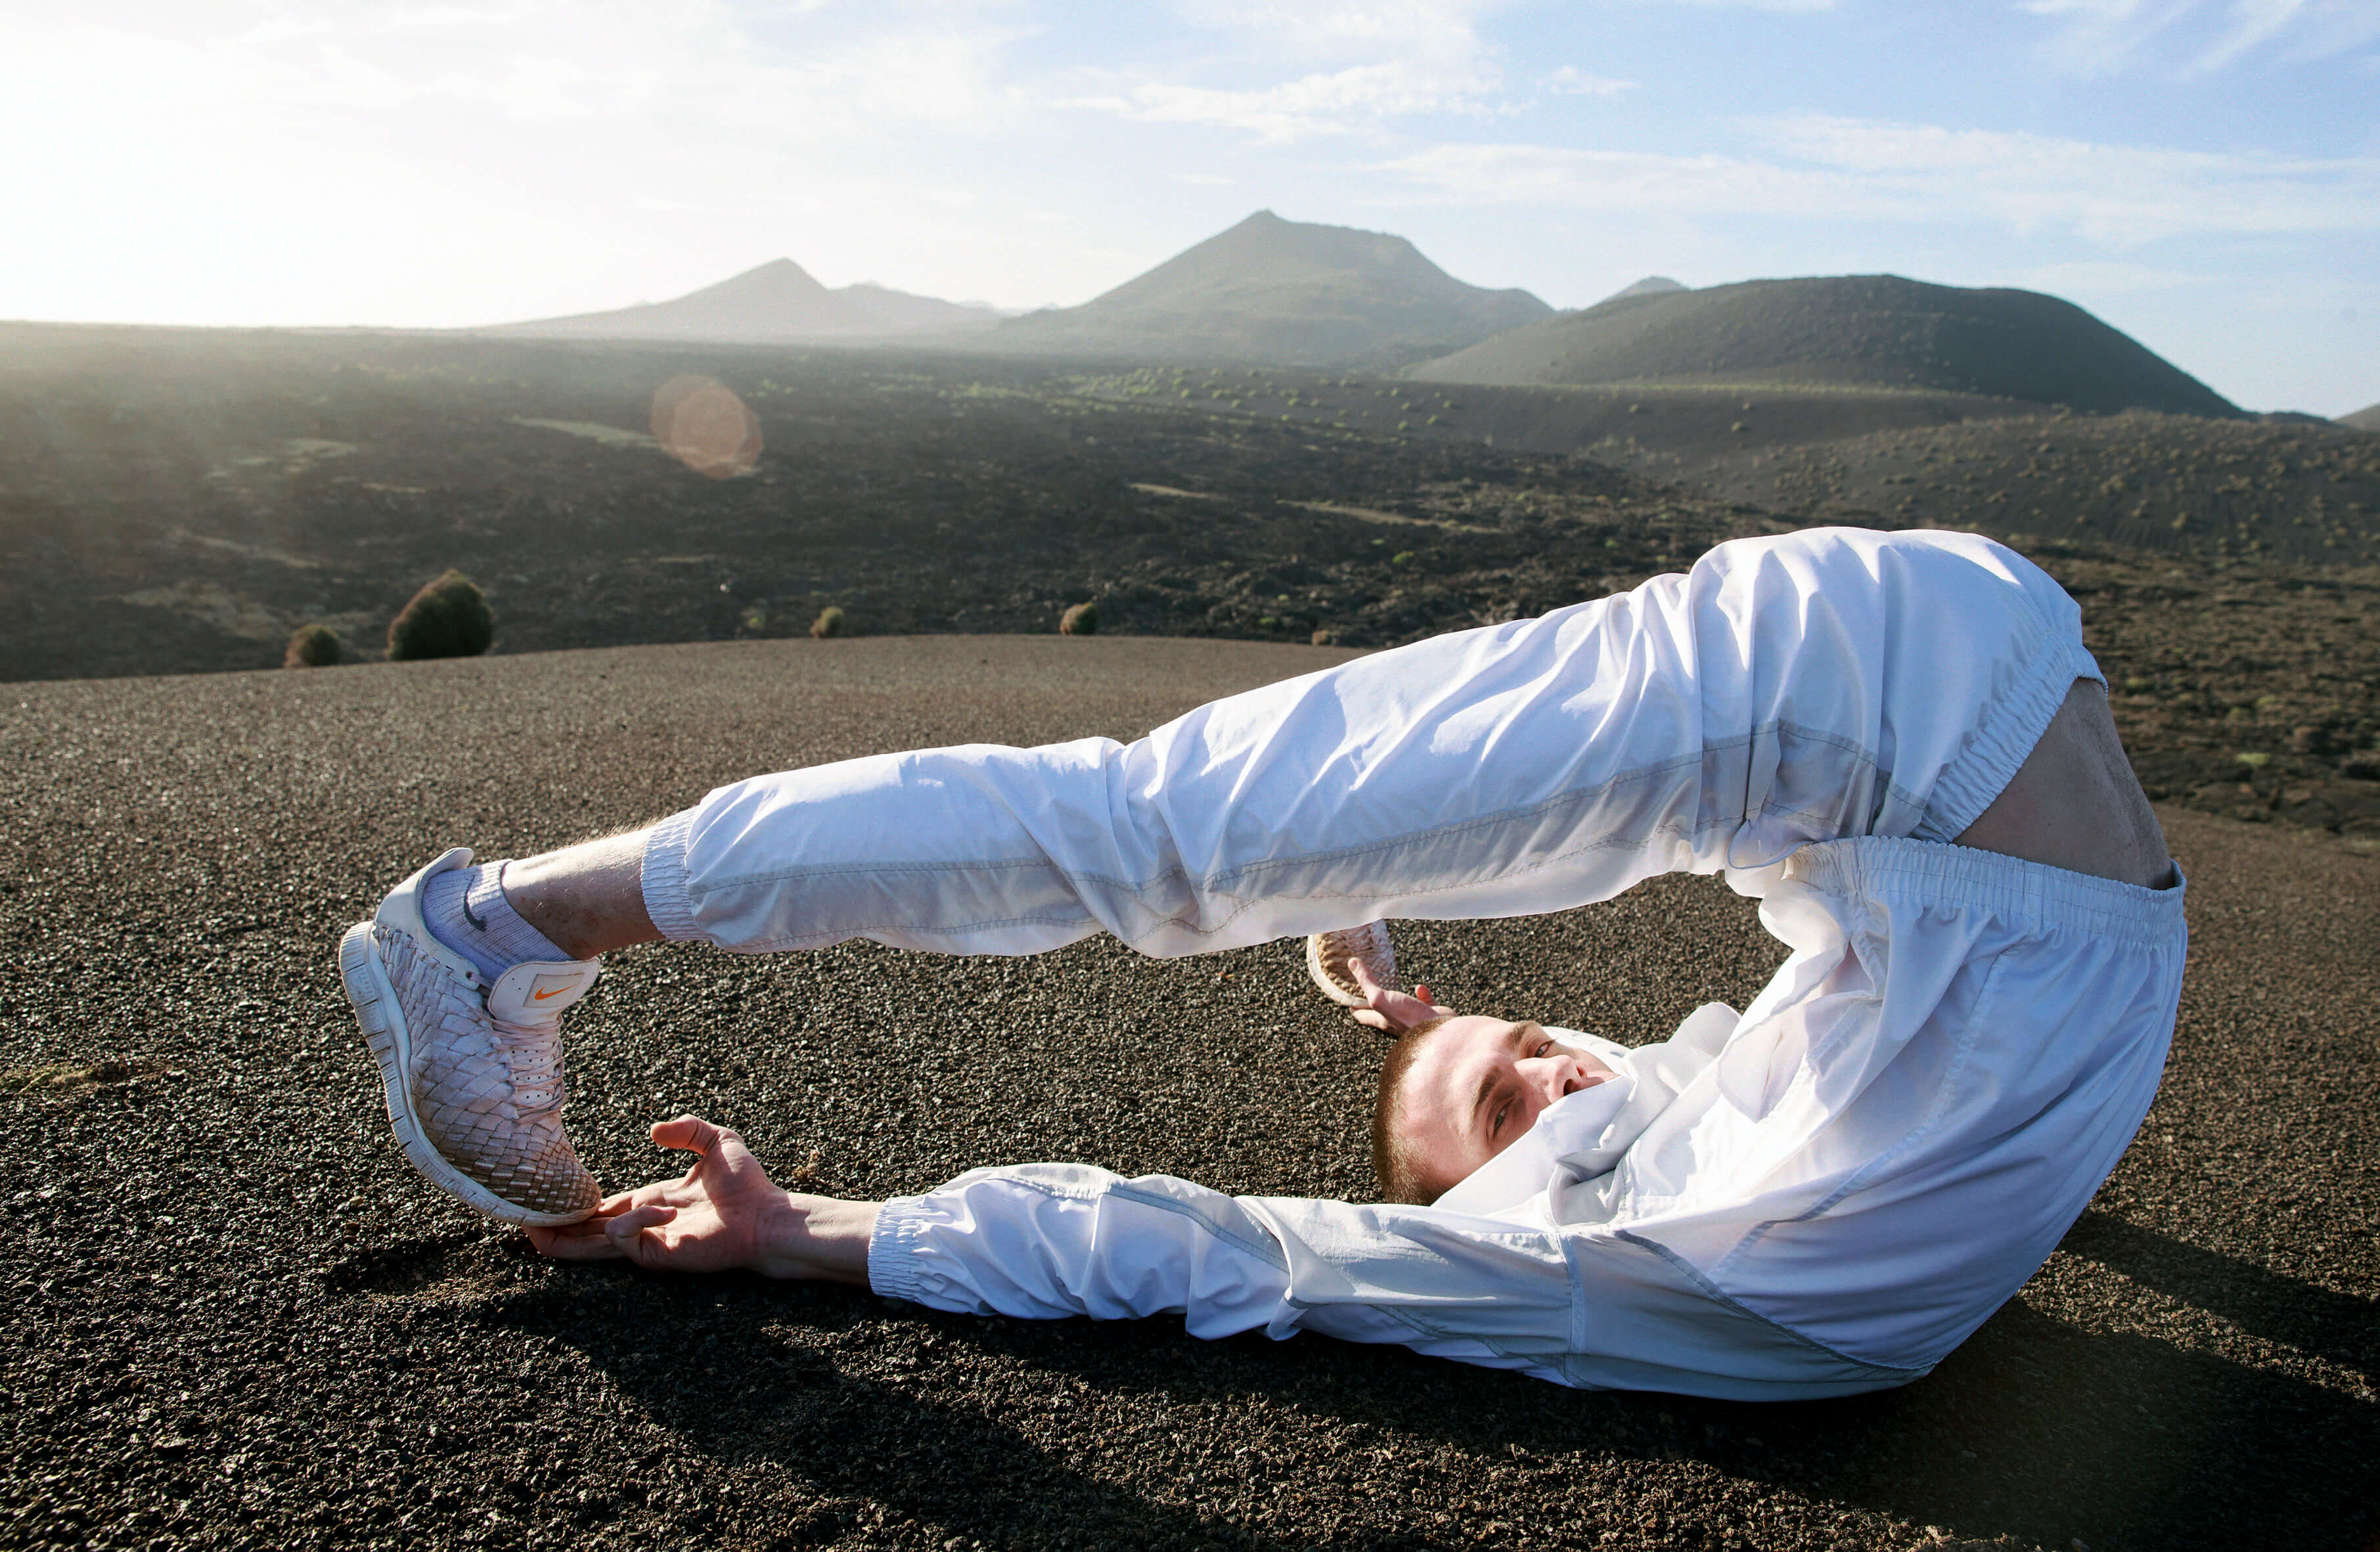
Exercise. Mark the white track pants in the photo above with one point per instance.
(1942, 1082)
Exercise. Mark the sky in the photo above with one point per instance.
(2202, 174)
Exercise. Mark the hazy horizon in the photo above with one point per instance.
(2202, 174)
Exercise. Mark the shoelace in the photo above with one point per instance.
(533, 1061)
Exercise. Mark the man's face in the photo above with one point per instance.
(1475, 1084)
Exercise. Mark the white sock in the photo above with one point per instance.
(466, 909)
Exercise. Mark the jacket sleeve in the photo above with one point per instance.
(1582, 1305)
(1049, 1240)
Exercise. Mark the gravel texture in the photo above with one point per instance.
(237, 1317)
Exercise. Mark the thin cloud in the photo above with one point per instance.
(1572, 82)
(2112, 194)
(1348, 30)
(2198, 37)
(2254, 23)
(1369, 61)
(1836, 168)
(1626, 181)
(560, 60)
(1330, 103)
(2111, 277)
(1789, 7)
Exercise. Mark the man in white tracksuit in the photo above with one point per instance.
(1898, 741)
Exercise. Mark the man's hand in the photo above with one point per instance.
(724, 1212)
(1395, 1012)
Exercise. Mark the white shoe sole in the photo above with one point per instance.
(373, 997)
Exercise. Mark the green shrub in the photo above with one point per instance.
(311, 646)
(449, 618)
(1082, 619)
(829, 623)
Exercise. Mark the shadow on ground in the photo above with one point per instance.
(2037, 1429)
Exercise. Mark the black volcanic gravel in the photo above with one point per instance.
(237, 1317)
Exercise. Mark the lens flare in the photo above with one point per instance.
(701, 422)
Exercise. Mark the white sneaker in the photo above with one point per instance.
(1327, 957)
(472, 1071)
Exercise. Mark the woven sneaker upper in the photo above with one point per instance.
(488, 1091)
(1327, 954)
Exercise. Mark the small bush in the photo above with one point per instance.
(1326, 637)
(311, 646)
(449, 618)
(1081, 619)
(829, 623)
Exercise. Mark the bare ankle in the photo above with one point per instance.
(588, 898)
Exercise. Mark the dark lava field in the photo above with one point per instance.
(181, 501)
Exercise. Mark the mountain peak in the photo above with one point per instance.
(1651, 285)
(1271, 289)
(779, 279)
(1270, 241)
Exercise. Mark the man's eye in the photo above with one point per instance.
(1497, 1125)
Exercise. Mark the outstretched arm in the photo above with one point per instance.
(723, 1215)
(1049, 1240)
(1055, 1240)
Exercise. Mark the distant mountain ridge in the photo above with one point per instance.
(1651, 285)
(1278, 293)
(2364, 420)
(1844, 330)
(778, 301)
(1284, 293)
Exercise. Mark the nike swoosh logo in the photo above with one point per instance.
(541, 996)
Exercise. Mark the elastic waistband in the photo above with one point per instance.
(1937, 873)
(2005, 731)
